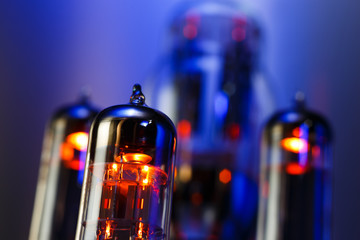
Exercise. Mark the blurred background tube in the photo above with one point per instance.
(209, 84)
(296, 179)
(61, 172)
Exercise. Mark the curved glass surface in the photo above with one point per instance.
(295, 177)
(61, 173)
(129, 175)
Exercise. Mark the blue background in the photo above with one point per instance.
(51, 49)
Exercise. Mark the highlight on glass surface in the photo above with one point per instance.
(129, 173)
(61, 172)
(206, 84)
(296, 181)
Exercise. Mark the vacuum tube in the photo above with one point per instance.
(61, 172)
(295, 177)
(207, 87)
(129, 174)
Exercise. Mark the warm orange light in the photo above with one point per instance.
(137, 157)
(107, 230)
(75, 164)
(114, 166)
(225, 176)
(185, 173)
(142, 204)
(297, 132)
(79, 140)
(295, 169)
(140, 231)
(67, 152)
(294, 144)
(184, 129)
(146, 169)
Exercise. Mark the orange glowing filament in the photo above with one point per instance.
(140, 231)
(79, 140)
(294, 144)
(137, 157)
(146, 169)
(225, 176)
(73, 143)
(107, 230)
(295, 169)
(114, 166)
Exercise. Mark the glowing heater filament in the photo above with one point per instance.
(79, 140)
(140, 231)
(146, 169)
(114, 166)
(296, 145)
(107, 231)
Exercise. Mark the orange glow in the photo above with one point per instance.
(184, 129)
(196, 199)
(146, 169)
(225, 176)
(75, 164)
(140, 231)
(114, 166)
(79, 140)
(142, 204)
(107, 230)
(67, 152)
(294, 144)
(137, 157)
(297, 132)
(295, 169)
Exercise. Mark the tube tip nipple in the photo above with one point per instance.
(137, 96)
(299, 99)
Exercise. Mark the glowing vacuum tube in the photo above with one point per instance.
(129, 174)
(295, 177)
(61, 173)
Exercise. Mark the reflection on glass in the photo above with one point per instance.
(295, 177)
(129, 174)
(61, 173)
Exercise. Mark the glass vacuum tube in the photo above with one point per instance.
(61, 173)
(129, 174)
(207, 86)
(295, 177)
